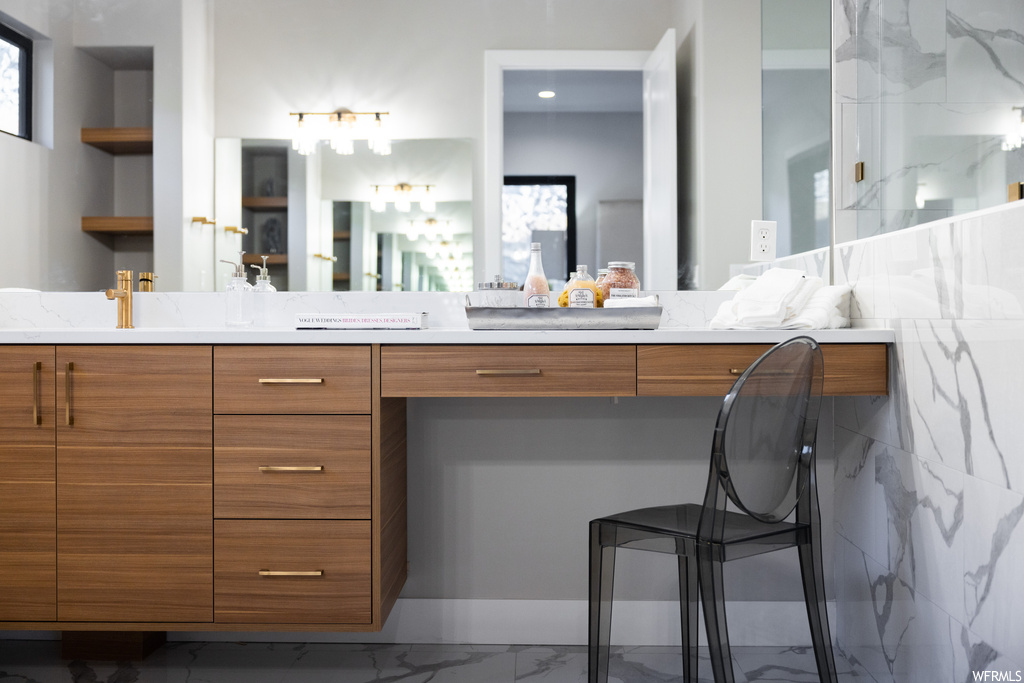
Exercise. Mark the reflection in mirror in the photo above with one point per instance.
(410, 219)
(795, 122)
(539, 209)
(359, 222)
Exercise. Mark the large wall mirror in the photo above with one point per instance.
(233, 69)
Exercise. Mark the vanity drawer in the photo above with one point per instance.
(291, 466)
(508, 370)
(291, 380)
(711, 369)
(292, 572)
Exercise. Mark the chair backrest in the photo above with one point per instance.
(763, 445)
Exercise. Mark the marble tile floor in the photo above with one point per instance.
(27, 661)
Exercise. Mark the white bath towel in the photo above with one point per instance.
(827, 309)
(775, 296)
(632, 302)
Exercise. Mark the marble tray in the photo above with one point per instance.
(490, 318)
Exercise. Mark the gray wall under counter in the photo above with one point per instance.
(501, 492)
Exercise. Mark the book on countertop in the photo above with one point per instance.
(360, 321)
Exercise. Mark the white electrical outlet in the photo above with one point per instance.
(762, 240)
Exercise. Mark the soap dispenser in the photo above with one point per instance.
(239, 311)
(260, 299)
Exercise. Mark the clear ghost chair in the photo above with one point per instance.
(762, 460)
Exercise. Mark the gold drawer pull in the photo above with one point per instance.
(36, 417)
(781, 371)
(512, 371)
(308, 380)
(69, 419)
(291, 468)
(267, 572)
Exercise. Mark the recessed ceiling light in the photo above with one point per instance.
(546, 94)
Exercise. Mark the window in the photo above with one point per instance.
(538, 209)
(15, 83)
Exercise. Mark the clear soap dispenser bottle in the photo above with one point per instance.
(239, 311)
(261, 303)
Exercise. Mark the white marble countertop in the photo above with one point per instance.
(156, 335)
(198, 318)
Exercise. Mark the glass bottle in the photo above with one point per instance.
(536, 293)
(582, 290)
(261, 308)
(239, 310)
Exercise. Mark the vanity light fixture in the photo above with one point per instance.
(546, 94)
(1014, 139)
(340, 129)
(431, 229)
(402, 196)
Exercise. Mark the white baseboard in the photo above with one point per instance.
(532, 622)
(549, 622)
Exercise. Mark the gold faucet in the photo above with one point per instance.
(146, 282)
(123, 294)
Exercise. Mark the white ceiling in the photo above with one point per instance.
(575, 91)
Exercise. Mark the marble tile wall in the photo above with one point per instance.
(929, 481)
(925, 95)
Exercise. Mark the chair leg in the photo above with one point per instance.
(602, 576)
(689, 593)
(712, 591)
(817, 613)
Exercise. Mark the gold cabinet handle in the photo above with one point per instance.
(308, 380)
(37, 368)
(267, 572)
(780, 371)
(332, 259)
(510, 371)
(291, 468)
(69, 419)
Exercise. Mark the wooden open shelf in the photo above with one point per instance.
(342, 277)
(272, 259)
(342, 234)
(265, 203)
(120, 140)
(118, 225)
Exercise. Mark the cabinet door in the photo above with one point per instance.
(28, 561)
(134, 483)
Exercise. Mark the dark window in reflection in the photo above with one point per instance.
(15, 83)
(538, 209)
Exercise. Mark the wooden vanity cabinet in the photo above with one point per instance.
(28, 521)
(134, 488)
(302, 502)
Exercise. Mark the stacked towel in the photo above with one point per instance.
(827, 309)
(776, 297)
(632, 302)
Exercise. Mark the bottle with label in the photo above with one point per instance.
(581, 291)
(536, 293)
(261, 307)
(239, 310)
(621, 282)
